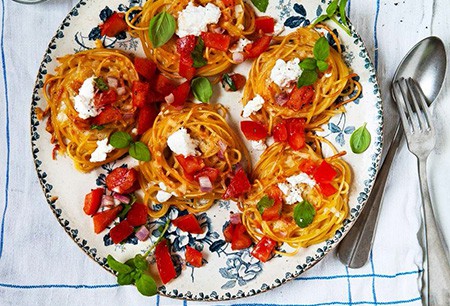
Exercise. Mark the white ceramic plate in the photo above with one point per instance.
(235, 273)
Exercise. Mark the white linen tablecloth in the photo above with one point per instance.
(40, 265)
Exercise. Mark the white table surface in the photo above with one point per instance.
(389, 28)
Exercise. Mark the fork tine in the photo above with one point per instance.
(401, 105)
(417, 112)
(409, 111)
(420, 99)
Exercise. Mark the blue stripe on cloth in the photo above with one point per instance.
(157, 299)
(5, 80)
(359, 276)
(349, 287)
(49, 286)
(375, 34)
(373, 278)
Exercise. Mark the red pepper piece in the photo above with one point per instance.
(164, 262)
(93, 200)
(105, 218)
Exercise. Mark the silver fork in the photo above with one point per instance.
(421, 139)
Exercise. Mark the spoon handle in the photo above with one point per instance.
(354, 249)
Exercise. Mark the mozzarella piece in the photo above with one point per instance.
(240, 45)
(194, 19)
(253, 106)
(101, 152)
(283, 73)
(258, 145)
(293, 187)
(84, 101)
(181, 142)
(301, 178)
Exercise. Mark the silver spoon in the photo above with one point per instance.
(426, 62)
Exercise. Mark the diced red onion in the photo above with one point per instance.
(121, 91)
(169, 98)
(222, 146)
(205, 184)
(235, 218)
(218, 30)
(142, 233)
(238, 57)
(122, 198)
(112, 82)
(281, 98)
(107, 201)
(237, 167)
(126, 116)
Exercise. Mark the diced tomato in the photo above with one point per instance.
(105, 218)
(257, 47)
(164, 85)
(273, 212)
(280, 132)
(122, 180)
(216, 40)
(264, 248)
(193, 257)
(327, 189)
(238, 82)
(92, 201)
(253, 130)
(109, 114)
(324, 173)
(121, 231)
(140, 92)
(296, 133)
(113, 25)
(300, 97)
(103, 98)
(186, 44)
(190, 164)
(137, 215)
(307, 166)
(188, 223)
(241, 239)
(146, 117)
(211, 173)
(239, 185)
(186, 70)
(228, 232)
(265, 24)
(180, 94)
(145, 67)
(228, 3)
(164, 262)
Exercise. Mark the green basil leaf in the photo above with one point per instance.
(202, 89)
(307, 78)
(264, 203)
(101, 84)
(322, 65)
(97, 127)
(261, 5)
(125, 279)
(120, 140)
(146, 285)
(139, 151)
(117, 266)
(124, 212)
(228, 81)
(321, 49)
(360, 139)
(136, 274)
(331, 9)
(133, 198)
(304, 214)
(308, 64)
(342, 6)
(320, 19)
(130, 263)
(140, 262)
(197, 54)
(161, 29)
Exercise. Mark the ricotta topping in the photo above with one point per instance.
(181, 142)
(258, 145)
(283, 73)
(293, 187)
(253, 106)
(84, 101)
(194, 19)
(240, 45)
(162, 195)
(101, 152)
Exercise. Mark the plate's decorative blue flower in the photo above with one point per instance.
(297, 21)
(241, 268)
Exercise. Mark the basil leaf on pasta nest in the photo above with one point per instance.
(139, 151)
(161, 29)
(202, 89)
(321, 49)
(197, 54)
(322, 65)
(261, 5)
(101, 84)
(308, 64)
(264, 203)
(120, 140)
(360, 139)
(304, 214)
(307, 78)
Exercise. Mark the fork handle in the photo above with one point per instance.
(436, 289)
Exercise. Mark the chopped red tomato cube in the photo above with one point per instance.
(164, 262)
(265, 23)
(180, 94)
(93, 200)
(114, 25)
(211, 173)
(228, 3)
(146, 117)
(109, 114)
(216, 40)
(280, 132)
(228, 232)
(190, 164)
(239, 185)
(193, 257)
(140, 92)
(186, 70)
(137, 215)
(164, 85)
(264, 248)
(300, 97)
(105, 218)
(122, 180)
(260, 45)
(296, 133)
(308, 166)
(237, 81)
(273, 212)
(145, 67)
(241, 239)
(186, 44)
(324, 173)
(103, 98)
(188, 223)
(253, 130)
(327, 189)
(121, 231)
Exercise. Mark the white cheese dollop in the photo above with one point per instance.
(181, 142)
(292, 188)
(61, 113)
(84, 101)
(258, 145)
(100, 153)
(162, 195)
(253, 106)
(240, 45)
(283, 73)
(194, 19)
(238, 11)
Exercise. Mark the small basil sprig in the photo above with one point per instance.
(304, 214)
(197, 54)
(261, 5)
(136, 270)
(360, 139)
(331, 11)
(101, 84)
(309, 65)
(227, 82)
(264, 203)
(202, 89)
(137, 149)
(161, 29)
(97, 127)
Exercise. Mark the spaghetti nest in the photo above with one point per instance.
(277, 164)
(218, 147)
(238, 23)
(78, 137)
(334, 83)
